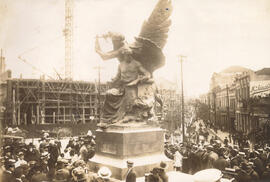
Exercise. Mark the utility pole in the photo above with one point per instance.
(228, 109)
(182, 92)
(99, 92)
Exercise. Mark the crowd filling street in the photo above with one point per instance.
(58, 160)
(237, 159)
(47, 159)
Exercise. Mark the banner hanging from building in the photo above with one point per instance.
(260, 88)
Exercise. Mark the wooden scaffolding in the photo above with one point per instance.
(38, 101)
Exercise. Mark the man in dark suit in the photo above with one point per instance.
(131, 175)
(8, 173)
(162, 172)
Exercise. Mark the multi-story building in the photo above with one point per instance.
(259, 101)
(231, 107)
(243, 102)
(243, 122)
(222, 97)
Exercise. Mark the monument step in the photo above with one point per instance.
(142, 165)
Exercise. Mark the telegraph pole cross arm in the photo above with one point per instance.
(182, 93)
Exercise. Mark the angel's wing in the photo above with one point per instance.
(147, 48)
(157, 26)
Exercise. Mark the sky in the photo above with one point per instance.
(213, 35)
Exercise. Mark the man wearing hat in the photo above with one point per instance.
(162, 172)
(25, 171)
(266, 173)
(226, 141)
(44, 162)
(8, 173)
(8, 152)
(268, 153)
(61, 175)
(131, 175)
(53, 156)
(20, 160)
(32, 154)
(221, 163)
(38, 175)
(242, 157)
(104, 174)
(242, 175)
(259, 167)
(263, 156)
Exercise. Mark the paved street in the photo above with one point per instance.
(221, 135)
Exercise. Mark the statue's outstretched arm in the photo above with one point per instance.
(105, 55)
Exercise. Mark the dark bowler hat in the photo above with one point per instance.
(61, 175)
(9, 163)
(32, 163)
(244, 165)
(163, 165)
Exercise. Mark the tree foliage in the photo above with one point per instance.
(201, 110)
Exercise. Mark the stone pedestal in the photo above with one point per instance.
(144, 146)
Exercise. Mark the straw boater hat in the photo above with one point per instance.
(20, 154)
(129, 162)
(242, 154)
(89, 133)
(207, 175)
(104, 173)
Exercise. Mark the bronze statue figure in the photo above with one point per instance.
(134, 93)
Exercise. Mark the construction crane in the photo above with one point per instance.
(68, 33)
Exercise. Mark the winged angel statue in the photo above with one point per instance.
(133, 91)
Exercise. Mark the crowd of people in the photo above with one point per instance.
(236, 161)
(48, 160)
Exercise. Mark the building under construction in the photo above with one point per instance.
(38, 101)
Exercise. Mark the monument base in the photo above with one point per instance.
(142, 165)
(143, 146)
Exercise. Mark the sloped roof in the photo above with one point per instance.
(234, 69)
(264, 71)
